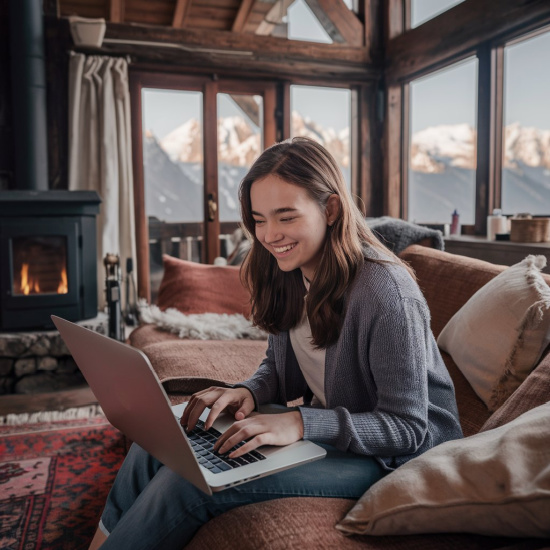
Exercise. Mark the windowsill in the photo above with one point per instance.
(483, 241)
(497, 252)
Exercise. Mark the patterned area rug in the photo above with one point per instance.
(54, 479)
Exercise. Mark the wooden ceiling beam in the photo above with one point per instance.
(181, 13)
(226, 52)
(341, 24)
(245, 9)
(116, 11)
(458, 32)
(235, 45)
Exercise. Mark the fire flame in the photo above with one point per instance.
(31, 285)
(28, 284)
(63, 287)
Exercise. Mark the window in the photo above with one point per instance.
(526, 132)
(324, 114)
(173, 176)
(240, 142)
(442, 150)
(198, 139)
(424, 10)
(303, 25)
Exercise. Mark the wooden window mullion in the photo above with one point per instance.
(211, 241)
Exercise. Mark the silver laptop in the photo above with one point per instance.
(134, 401)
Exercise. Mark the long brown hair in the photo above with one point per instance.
(277, 296)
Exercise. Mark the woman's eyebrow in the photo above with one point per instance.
(282, 210)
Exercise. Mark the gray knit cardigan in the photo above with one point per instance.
(388, 392)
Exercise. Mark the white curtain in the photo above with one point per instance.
(100, 152)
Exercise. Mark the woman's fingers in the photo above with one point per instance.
(196, 405)
(190, 404)
(215, 410)
(262, 429)
(217, 399)
(240, 431)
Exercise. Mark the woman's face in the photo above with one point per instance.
(289, 223)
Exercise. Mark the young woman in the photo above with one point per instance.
(349, 332)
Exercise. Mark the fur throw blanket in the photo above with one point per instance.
(201, 326)
(398, 234)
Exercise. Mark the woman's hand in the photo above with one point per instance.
(238, 401)
(261, 429)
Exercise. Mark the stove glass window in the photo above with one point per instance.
(39, 265)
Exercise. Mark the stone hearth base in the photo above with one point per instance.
(39, 362)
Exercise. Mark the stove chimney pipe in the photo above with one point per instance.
(28, 78)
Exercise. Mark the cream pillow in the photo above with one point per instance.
(498, 336)
(493, 483)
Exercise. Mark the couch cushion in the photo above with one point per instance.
(447, 281)
(499, 335)
(199, 288)
(472, 411)
(534, 391)
(188, 366)
(493, 483)
(300, 523)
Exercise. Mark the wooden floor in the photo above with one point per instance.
(38, 402)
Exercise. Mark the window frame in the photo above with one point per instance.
(490, 105)
(276, 100)
(209, 87)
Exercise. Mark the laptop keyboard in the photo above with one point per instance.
(202, 441)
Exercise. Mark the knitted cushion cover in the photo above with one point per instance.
(187, 366)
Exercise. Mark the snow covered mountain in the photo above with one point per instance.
(455, 145)
(441, 176)
(239, 145)
(442, 172)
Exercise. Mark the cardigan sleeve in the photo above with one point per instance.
(399, 341)
(264, 383)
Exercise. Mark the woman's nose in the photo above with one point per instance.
(272, 233)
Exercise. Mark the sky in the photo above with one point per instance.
(449, 96)
(446, 97)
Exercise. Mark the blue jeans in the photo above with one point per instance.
(150, 506)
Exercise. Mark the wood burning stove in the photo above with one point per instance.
(48, 261)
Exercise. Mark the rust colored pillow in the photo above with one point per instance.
(533, 392)
(200, 288)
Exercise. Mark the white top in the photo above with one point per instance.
(311, 360)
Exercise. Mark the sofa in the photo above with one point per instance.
(186, 365)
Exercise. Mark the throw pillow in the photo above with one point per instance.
(533, 392)
(492, 483)
(190, 287)
(500, 333)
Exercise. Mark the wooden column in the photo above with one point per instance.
(270, 126)
(211, 248)
(393, 116)
(142, 230)
(366, 150)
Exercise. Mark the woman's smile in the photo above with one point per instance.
(284, 250)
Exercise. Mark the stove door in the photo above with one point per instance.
(39, 272)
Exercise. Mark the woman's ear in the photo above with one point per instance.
(333, 208)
